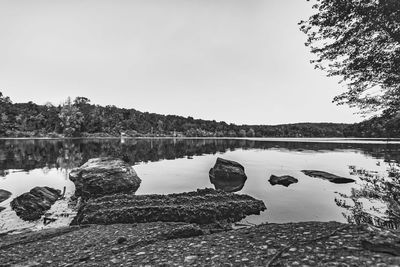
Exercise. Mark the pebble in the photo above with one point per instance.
(121, 240)
(114, 260)
(190, 259)
(140, 253)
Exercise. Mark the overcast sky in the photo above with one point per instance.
(240, 61)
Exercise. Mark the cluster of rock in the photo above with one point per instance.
(230, 176)
(107, 186)
(287, 180)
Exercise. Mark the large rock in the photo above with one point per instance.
(227, 175)
(202, 206)
(104, 176)
(328, 176)
(284, 180)
(32, 205)
(4, 195)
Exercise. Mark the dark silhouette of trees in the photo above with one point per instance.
(81, 118)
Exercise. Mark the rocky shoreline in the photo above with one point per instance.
(182, 244)
(115, 227)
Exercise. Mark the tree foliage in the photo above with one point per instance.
(359, 40)
(81, 118)
(71, 119)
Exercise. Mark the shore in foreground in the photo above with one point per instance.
(177, 244)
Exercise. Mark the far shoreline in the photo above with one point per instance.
(349, 140)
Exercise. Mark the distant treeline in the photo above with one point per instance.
(81, 118)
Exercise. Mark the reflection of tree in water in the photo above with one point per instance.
(377, 201)
(66, 154)
(70, 156)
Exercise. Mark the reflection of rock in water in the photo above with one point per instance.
(227, 175)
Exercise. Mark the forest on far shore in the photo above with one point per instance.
(80, 118)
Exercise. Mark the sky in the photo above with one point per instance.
(238, 61)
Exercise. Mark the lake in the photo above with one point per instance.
(176, 165)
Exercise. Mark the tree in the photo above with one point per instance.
(251, 133)
(80, 101)
(71, 119)
(359, 40)
(5, 104)
(4, 99)
(242, 133)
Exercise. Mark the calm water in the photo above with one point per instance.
(178, 165)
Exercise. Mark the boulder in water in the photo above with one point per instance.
(328, 176)
(104, 176)
(227, 175)
(284, 180)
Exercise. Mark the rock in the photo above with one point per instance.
(284, 180)
(328, 176)
(4, 195)
(121, 240)
(202, 206)
(104, 176)
(32, 205)
(227, 175)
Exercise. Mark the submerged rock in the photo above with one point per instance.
(32, 205)
(284, 180)
(227, 175)
(4, 195)
(202, 206)
(328, 176)
(104, 176)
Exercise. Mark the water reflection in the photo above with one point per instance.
(66, 154)
(23, 163)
